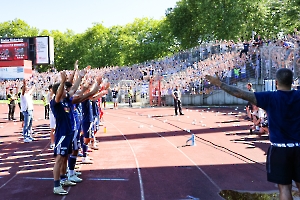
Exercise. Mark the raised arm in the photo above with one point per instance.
(102, 91)
(24, 86)
(71, 78)
(31, 90)
(81, 98)
(61, 88)
(77, 82)
(234, 91)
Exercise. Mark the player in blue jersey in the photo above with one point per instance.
(88, 126)
(78, 97)
(283, 108)
(62, 108)
(96, 116)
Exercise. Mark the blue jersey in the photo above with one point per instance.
(95, 108)
(283, 109)
(63, 113)
(78, 115)
(87, 114)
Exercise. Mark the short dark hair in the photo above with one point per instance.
(68, 84)
(55, 87)
(284, 76)
(250, 84)
(50, 86)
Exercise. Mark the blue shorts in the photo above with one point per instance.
(63, 145)
(88, 130)
(76, 140)
(97, 123)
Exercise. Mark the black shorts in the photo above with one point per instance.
(103, 99)
(283, 165)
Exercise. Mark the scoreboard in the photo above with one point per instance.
(18, 55)
(40, 49)
(14, 49)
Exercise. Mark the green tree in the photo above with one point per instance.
(193, 21)
(290, 15)
(63, 48)
(17, 28)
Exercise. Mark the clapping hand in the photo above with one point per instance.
(63, 76)
(82, 72)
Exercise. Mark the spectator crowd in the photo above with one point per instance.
(234, 62)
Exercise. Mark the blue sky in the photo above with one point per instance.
(78, 15)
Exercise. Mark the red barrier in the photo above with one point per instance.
(155, 91)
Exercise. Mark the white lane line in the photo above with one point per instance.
(22, 168)
(38, 178)
(90, 179)
(208, 177)
(108, 179)
(137, 164)
(68, 190)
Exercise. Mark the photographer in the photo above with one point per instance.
(264, 128)
(249, 107)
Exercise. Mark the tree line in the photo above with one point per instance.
(188, 24)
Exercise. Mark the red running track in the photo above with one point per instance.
(143, 155)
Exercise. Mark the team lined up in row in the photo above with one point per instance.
(76, 111)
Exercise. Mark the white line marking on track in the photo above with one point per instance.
(108, 179)
(188, 159)
(137, 164)
(38, 178)
(68, 190)
(208, 177)
(20, 169)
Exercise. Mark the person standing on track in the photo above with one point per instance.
(19, 104)
(283, 108)
(177, 100)
(46, 103)
(11, 97)
(114, 94)
(63, 108)
(249, 105)
(130, 95)
(88, 126)
(27, 110)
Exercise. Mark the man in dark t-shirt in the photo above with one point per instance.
(114, 94)
(283, 108)
(177, 100)
(11, 97)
